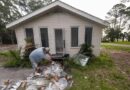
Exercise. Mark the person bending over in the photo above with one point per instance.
(38, 55)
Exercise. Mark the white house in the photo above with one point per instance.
(60, 27)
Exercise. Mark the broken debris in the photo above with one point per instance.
(51, 77)
(80, 59)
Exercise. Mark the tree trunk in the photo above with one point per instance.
(12, 38)
(128, 38)
(117, 39)
(123, 39)
(1, 41)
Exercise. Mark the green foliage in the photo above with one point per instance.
(14, 59)
(118, 48)
(119, 42)
(32, 5)
(111, 34)
(117, 20)
(29, 47)
(103, 61)
(11, 10)
(115, 16)
(8, 11)
(100, 74)
(11, 54)
(18, 63)
(86, 49)
(129, 37)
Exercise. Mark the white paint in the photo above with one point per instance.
(65, 21)
(52, 5)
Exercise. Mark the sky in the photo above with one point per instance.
(98, 8)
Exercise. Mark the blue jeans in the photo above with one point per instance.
(34, 61)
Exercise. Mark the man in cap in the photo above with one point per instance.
(38, 55)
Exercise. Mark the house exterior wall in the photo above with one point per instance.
(61, 20)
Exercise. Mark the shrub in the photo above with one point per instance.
(29, 47)
(102, 61)
(14, 59)
(86, 50)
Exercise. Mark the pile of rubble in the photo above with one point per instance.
(51, 77)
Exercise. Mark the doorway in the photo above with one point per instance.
(59, 41)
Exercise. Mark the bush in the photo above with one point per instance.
(102, 61)
(105, 39)
(29, 47)
(14, 59)
(86, 50)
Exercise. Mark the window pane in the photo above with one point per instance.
(44, 37)
(29, 34)
(74, 37)
(88, 35)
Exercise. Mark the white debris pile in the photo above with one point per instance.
(51, 77)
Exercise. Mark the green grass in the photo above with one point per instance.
(100, 74)
(17, 63)
(118, 48)
(120, 42)
(13, 59)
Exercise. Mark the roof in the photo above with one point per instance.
(52, 5)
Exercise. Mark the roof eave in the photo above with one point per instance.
(61, 4)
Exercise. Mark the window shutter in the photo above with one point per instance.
(88, 35)
(74, 36)
(29, 34)
(44, 37)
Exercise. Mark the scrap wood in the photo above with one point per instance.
(52, 77)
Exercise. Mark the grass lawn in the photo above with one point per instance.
(100, 74)
(120, 42)
(118, 48)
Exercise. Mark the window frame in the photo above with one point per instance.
(41, 36)
(26, 33)
(74, 46)
(91, 34)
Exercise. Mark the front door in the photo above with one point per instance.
(59, 42)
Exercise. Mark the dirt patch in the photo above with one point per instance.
(122, 61)
(14, 74)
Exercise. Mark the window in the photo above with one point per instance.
(44, 37)
(74, 36)
(88, 35)
(29, 34)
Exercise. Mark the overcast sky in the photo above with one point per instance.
(97, 8)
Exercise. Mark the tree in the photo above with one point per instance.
(128, 36)
(123, 36)
(110, 34)
(11, 10)
(8, 12)
(117, 34)
(31, 5)
(115, 15)
(124, 1)
(116, 19)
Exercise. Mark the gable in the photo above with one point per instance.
(57, 20)
(51, 7)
